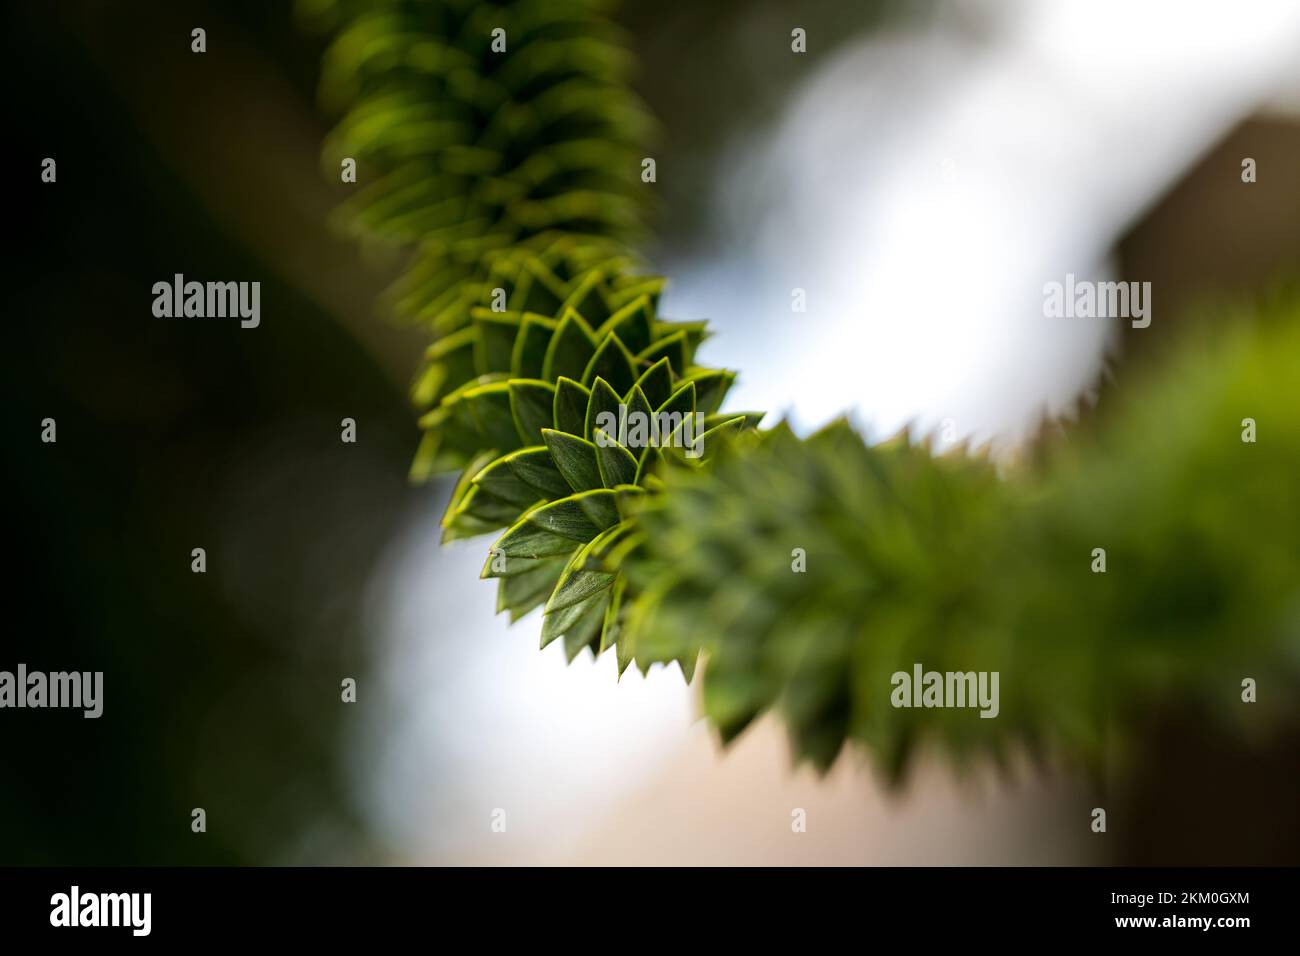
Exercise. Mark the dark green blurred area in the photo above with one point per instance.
(221, 690)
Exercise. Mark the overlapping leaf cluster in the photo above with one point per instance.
(521, 302)
(467, 153)
(515, 175)
(528, 390)
(916, 559)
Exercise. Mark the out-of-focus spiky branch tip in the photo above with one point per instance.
(478, 126)
(938, 561)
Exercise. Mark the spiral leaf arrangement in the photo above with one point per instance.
(539, 464)
(514, 174)
(508, 144)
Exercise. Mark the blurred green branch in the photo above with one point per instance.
(913, 558)
(514, 175)
(477, 127)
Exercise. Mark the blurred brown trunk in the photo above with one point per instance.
(1213, 236)
(1202, 798)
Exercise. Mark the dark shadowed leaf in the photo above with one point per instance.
(632, 325)
(711, 388)
(532, 404)
(603, 403)
(520, 593)
(570, 410)
(575, 458)
(535, 468)
(504, 482)
(529, 355)
(529, 540)
(488, 406)
(613, 363)
(657, 383)
(571, 349)
(566, 518)
(617, 465)
(588, 299)
(495, 343)
(674, 348)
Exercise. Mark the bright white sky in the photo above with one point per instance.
(922, 191)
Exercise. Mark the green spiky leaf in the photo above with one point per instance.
(575, 458)
(532, 404)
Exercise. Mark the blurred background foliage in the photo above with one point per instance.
(222, 689)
